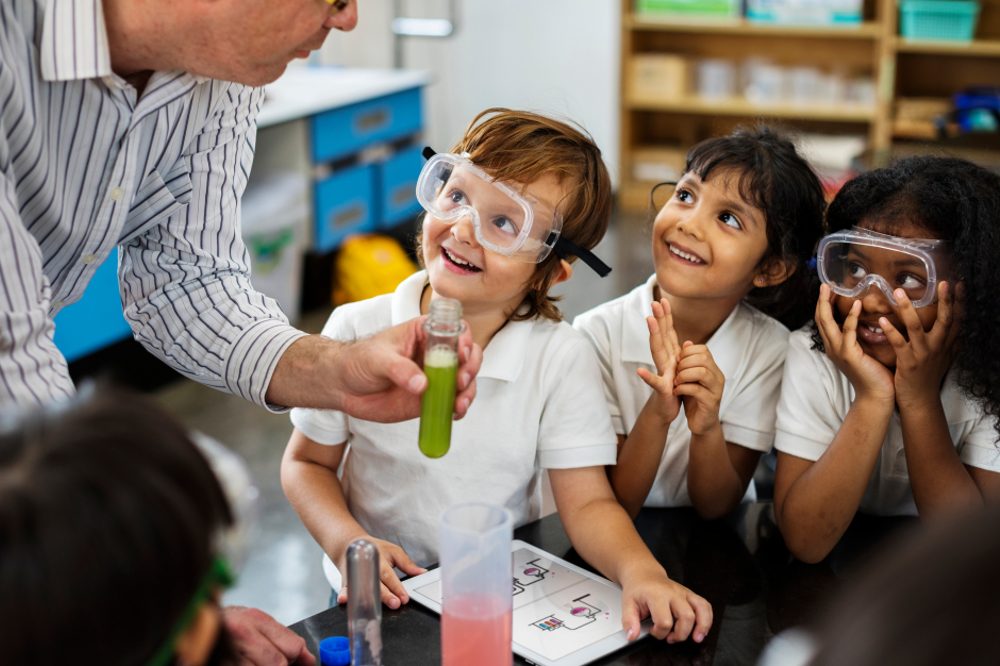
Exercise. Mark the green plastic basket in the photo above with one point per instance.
(953, 20)
(718, 8)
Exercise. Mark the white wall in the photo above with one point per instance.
(559, 57)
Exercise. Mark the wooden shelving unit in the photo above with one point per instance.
(898, 67)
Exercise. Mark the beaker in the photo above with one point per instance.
(476, 585)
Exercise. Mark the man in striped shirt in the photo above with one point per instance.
(120, 126)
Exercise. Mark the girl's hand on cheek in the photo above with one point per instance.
(924, 359)
(867, 375)
(665, 350)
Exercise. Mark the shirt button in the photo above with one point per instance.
(89, 258)
(117, 193)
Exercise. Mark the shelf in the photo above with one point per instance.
(867, 30)
(738, 106)
(977, 47)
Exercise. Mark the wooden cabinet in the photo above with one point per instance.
(870, 55)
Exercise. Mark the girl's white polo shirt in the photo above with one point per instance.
(538, 404)
(815, 399)
(749, 348)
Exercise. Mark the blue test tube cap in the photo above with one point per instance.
(335, 651)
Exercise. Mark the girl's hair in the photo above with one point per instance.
(108, 515)
(776, 180)
(521, 147)
(959, 202)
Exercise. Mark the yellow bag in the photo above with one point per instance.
(369, 265)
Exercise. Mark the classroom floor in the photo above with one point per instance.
(282, 573)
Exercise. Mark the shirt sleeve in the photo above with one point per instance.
(185, 283)
(575, 430)
(32, 370)
(807, 421)
(980, 447)
(749, 418)
(595, 330)
(329, 426)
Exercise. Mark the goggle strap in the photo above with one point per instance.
(428, 152)
(566, 248)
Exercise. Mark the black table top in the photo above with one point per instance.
(739, 564)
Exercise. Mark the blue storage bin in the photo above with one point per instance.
(397, 186)
(96, 320)
(953, 20)
(345, 204)
(341, 132)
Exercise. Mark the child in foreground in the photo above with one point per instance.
(110, 519)
(518, 199)
(691, 368)
(889, 401)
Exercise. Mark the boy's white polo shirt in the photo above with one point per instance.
(749, 349)
(815, 399)
(538, 404)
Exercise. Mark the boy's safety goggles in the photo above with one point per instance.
(853, 261)
(505, 221)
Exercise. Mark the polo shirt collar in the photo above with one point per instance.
(503, 358)
(635, 335)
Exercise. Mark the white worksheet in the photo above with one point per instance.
(563, 615)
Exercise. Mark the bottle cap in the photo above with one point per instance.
(335, 651)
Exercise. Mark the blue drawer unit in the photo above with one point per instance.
(341, 132)
(96, 320)
(345, 204)
(397, 186)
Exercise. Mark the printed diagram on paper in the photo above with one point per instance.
(557, 611)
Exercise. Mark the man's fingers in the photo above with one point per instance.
(260, 639)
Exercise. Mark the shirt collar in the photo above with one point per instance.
(635, 335)
(503, 358)
(74, 41)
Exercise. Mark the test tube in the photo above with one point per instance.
(443, 326)
(364, 604)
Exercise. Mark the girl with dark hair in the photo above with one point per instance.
(735, 233)
(109, 524)
(899, 415)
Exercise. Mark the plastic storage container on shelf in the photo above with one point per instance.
(275, 213)
(694, 8)
(953, 20)
(805, 12)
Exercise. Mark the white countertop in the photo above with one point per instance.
(303, 91)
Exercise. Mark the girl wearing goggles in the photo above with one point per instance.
(889, 401)
(498, 204)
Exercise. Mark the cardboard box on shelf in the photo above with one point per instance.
(657, 77)
(658, 163)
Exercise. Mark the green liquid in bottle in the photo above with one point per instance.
(438, 404)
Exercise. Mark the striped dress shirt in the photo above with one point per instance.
(86, 166)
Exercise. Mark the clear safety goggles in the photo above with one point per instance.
(851, 262)
(451, 187)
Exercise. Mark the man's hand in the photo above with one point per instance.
(377, 378)
(261, 641)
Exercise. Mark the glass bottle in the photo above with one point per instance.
(443, 326)
(364, 604)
